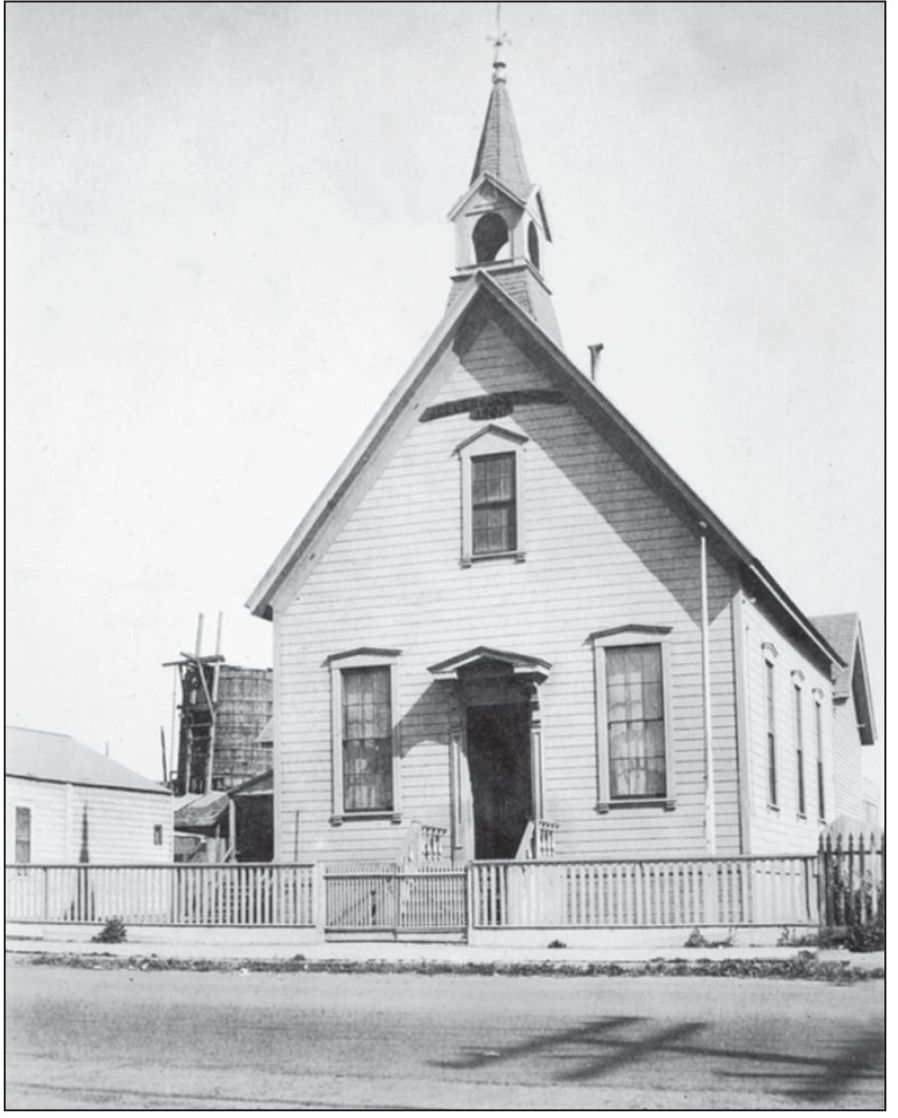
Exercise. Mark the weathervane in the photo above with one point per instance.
(499, 40)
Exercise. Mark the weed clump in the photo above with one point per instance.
(113, 931)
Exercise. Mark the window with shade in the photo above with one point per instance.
(493, 504)
(367, 739)
(635, 705)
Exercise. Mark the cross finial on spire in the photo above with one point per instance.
(499, 40)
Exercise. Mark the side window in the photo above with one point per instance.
(818, 736)
(157, 834)
(799, 744)
(365, 734)
(635, 758)
(770, 724)
(367, 740)
(23, 835)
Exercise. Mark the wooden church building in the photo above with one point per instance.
(507, 621)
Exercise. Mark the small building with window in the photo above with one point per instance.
(67, 803)
(509, 620)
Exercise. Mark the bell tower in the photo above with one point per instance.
(500, 221)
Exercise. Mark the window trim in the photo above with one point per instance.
(770, 654)
(491, 440)
(337, 664)
(624, 636)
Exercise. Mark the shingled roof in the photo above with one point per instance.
(840, 630)
(843, 632)
(39, 755)
(499, 153)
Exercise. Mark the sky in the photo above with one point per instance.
(227, 240)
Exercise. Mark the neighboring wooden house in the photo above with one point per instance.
(509, 618)
(67, 803)
(854, 726)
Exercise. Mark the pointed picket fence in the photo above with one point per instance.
(670, 892)
(851, 872)
(238, 895)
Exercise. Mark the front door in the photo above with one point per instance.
(499, 763)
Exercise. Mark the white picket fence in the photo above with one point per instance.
(229, 895)
(648, 893)
(686, 892)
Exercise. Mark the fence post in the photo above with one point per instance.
(319, 898)
(469, 899)
(822, 891)
(882, 875)
(863, 905)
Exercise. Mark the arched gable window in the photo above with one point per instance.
(490, 236)
(533, 245)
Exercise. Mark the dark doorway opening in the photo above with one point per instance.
(501, 784)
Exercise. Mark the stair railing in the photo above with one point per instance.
(538, 841)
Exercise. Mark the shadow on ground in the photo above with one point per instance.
(603, 1045)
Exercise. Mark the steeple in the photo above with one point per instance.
(500, 221)
(499, 153)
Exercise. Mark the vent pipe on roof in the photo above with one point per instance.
(595, 352)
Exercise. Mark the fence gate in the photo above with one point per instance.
(397, 901)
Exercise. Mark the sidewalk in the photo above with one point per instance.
(452, 954)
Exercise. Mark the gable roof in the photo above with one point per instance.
(844, 633)
(516, 662)
(481, 292)
(38, 755)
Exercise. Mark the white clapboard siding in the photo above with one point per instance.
(119, 822)
(777, 829)
(602, 550)
(848, 763)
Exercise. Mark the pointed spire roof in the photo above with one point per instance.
(499, 153)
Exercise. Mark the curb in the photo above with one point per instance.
(804, 965)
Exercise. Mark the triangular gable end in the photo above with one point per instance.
(404, 405)
(475, 187)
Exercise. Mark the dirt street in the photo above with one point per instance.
(163, 1040)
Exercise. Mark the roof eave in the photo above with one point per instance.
(688, 495)
(259, 602)
(261, 599)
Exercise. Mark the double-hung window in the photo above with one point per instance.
(633, 716)
(365, 734)
(799, 750)
(23, 835)
(492, 497)
(367, 740)
(818, 734)
(493, 504)
(770, 722)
